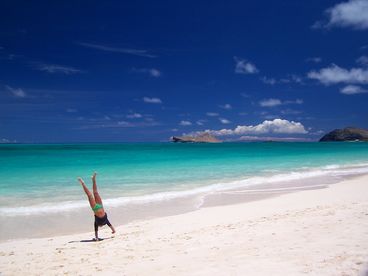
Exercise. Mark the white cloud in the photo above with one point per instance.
(124, 123)
(17, 92)
(363, 60)
(200, 122)
(103, 123)
(54, 68)
(278, 126)
(295, 78)
(153, 72)
(245, 95)
(148, 119)
(224, 121)
(290, 112)
(136, 52)
(290, 78)
(242, 66)
(314, 59)
(185, 123)
(297, 101)
(5, 56)
(107, 122)
(270, 81)
(270, 102)
(226, 106)
(335, 74)
(212, 114)
(152, 100)
(71, 110)
(270, 116)
(275, 102)
(7, 141)
(134, 116)
(352, 89)
(353, 13)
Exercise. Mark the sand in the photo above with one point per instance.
(313, 232)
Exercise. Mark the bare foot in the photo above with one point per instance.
(113, 232)
(80, 180)
(94, 176)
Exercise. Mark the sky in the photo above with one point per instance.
(142, 71)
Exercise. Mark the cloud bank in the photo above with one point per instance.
(335, 74)
(277, 126)
(353, 13)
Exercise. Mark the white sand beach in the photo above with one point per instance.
(310, 232)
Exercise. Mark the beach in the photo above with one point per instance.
(315, 232)
(184, 138)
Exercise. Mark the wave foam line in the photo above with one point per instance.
(65, 206)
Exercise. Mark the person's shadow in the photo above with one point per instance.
(91, 240)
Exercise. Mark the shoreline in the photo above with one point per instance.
(319, 231)
(45, 225)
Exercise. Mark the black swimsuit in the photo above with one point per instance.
(101, 221)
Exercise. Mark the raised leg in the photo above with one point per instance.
(91, 200)
(95, 192)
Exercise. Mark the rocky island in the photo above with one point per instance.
(202, 138)
(346, 134)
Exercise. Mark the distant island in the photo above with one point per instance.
(346, 134)
(202, 138)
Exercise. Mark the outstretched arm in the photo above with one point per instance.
(96, 231)
(112, 229)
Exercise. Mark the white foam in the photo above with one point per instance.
(68, 206)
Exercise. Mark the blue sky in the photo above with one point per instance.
(110, 71)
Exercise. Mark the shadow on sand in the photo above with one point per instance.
(91, 240)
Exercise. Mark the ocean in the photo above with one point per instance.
(39, 182)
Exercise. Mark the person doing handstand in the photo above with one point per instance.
(96, 204)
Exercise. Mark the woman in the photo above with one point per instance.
(96, 204)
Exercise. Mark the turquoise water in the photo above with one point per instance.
(35, 175)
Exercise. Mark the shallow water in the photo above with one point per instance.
(41, 179)
(31, 175)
